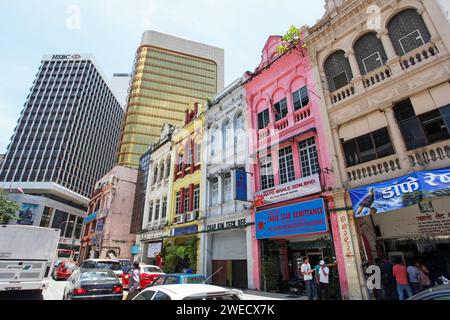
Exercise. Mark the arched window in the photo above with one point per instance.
(180, 162)
(167, 171)
(369, 52)
(239, 133)
(214, 143)
(227, 137)
(408, 31)
(161, 171)
(338, 70)
(155, 174)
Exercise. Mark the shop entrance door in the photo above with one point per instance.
(240, 280)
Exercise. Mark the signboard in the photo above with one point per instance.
(154, 249)
(135, 249)
(27, 214)
(227, 225)
(90, 218)
(411, 223)
(241, 185)
(65, 56)
(294, 189)
(184, 230)
(99, 227)
(403, 192)
(302, 218)
(94, 241)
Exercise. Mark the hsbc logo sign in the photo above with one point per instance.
(65, 56)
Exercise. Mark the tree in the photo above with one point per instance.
(291, 39)
(8, 209)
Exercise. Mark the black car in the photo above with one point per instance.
(93, 284)
(436, 293)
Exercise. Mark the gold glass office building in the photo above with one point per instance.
(169, 74)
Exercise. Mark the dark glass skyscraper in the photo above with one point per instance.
(67, 136)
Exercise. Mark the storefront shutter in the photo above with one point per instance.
(229, 245)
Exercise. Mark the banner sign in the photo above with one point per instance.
(406, 191)
(241, 185)
(154, 249)
(27, 214)
(184, 230)
(90, 218)
(298, 219)
(294, 189)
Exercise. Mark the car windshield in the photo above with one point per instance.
(125, 263)
(69, 265)
(194, 279)
(148, 269)
(113, 265)
(99, 275)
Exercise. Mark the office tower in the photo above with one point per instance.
(66, 139)
(169, 74)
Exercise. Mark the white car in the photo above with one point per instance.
(189, 292)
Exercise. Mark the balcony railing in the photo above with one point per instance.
(374, 170)
(377, 76)
(432, 156)
(302, 114)
(343, 93)
(419, 56)
(281, 124)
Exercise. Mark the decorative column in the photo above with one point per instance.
(397, 139)
(357, 78)
(340, 155)
(393, 58)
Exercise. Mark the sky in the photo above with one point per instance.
(111, 30)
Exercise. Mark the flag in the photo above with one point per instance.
(20, 190)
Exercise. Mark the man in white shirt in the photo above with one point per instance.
(324, 273)
(308, 277)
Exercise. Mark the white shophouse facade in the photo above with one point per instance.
(226, 237)
(157, 199)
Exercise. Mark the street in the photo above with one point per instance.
(56, 289)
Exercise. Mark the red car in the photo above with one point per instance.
(148, 274)
(64, 270)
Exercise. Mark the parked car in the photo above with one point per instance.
(113, 265)
(148, 275)
(436, 293)
(189, 292)
(93, 284)
(126, 264)
(178, 278)
(64, 270)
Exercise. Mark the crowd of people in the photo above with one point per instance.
(400, 281)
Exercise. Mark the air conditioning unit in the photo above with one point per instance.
(191, 216)
(181, 218)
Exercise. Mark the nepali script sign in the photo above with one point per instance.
(294, 189)
(402, 192)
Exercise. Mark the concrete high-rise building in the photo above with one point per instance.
(66, 139)
(169, 74)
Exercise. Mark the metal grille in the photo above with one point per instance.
(369, 53)
(31, 275)
(338, 70)
(408, 31)
(6, 275)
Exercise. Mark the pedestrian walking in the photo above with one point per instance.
(324, 273)
(308, 277)
(388, 281)
(413, 277)
(135, 281)
(401, 276)
(424, 279)
(316, 282)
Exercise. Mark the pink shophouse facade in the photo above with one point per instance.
(292, 170)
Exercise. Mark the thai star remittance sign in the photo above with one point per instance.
(294, 189)
(297, 219)
(406, 191)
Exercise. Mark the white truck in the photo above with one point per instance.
(27, 256)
